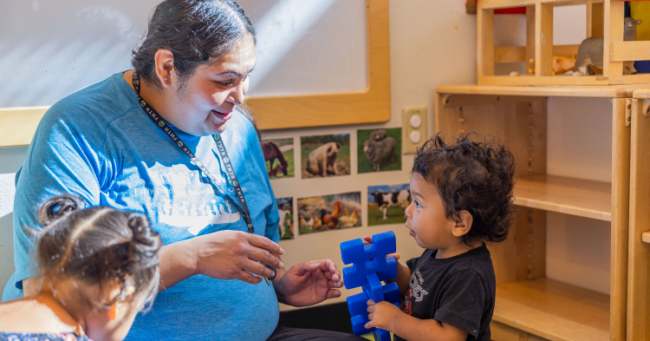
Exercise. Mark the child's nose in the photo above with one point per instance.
(409, 211)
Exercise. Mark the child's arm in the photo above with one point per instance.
(387, 316)
(403, 271)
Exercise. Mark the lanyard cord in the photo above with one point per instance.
(230, 171)
(160, 122)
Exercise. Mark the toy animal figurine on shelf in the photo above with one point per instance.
(561, 64)
(591, 50)
(369, 267)
(379, 149)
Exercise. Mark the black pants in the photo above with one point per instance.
(293, 334)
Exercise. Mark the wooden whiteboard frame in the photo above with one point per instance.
(372, 105)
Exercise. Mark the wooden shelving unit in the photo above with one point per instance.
(605, 18)
(530, 306)
(575, 313)
(584, 198)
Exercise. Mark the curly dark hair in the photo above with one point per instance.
(472, 176)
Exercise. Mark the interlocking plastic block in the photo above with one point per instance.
(369, 267)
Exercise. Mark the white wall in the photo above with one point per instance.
(433, 43)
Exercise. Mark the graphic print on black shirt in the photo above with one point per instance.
(458, 291)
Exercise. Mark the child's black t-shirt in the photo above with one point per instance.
(458, 291)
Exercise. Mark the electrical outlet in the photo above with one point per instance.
(414, 128)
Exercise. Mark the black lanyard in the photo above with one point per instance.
(230, 171)
(160, 122)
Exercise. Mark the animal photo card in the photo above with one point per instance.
(278, 154)
(387, 204)
(285, 208)
(329, 212)
(379, 150)
(325, 155)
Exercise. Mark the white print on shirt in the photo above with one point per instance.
(416, 285)
(185, 202)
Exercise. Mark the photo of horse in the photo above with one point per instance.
(278, 154)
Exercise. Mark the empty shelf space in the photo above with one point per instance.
(584, 198)
(553, 310)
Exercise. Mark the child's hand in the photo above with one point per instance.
(381, 315)
(367, 240)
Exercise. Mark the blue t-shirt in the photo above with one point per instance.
(100, 145)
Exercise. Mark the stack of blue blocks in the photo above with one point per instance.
(369, 267)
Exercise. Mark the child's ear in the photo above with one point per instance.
(464, 222)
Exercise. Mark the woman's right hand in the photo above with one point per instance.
(235, 255)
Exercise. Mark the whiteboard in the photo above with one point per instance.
(51, 48)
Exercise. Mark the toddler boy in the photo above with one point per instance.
(462, 198)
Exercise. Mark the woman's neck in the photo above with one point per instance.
(46, 315)
(151, 94)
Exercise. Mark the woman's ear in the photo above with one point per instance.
(464, 222)
(164, 61)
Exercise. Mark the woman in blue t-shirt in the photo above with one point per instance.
(166, 139)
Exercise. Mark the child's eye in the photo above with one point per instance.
(417, 204)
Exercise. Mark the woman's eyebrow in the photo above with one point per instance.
(236, 74)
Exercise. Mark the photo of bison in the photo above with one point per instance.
(379, 150)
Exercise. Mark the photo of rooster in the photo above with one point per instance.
(330, 212)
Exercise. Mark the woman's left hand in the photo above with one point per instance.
(309, 283)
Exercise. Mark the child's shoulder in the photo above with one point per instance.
(477, 260)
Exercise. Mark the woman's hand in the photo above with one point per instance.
(236, 255)
(309, 283)
(222, 255)
(382, 315)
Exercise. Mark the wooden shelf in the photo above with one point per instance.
(612, 91)
(553, 310)
(584, 198)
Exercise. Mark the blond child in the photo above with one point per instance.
(98, 268)
(462, 198)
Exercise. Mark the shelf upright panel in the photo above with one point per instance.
(638, 292)
(621, 133)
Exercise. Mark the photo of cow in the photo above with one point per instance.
(329, 212)
(285, 226)
(387, 204)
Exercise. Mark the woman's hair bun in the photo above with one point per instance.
(145, 242)
(59, 206)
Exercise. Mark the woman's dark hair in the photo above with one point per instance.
(471, 176)
(98, 245)
(195, 31)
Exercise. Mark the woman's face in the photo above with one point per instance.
(204, 103)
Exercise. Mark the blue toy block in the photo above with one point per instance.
(369, 267)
